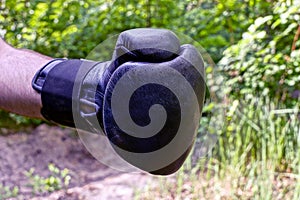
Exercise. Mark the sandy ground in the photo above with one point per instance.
(49, 144)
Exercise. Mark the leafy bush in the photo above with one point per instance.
(217, 25)
(73, 28)
(267, 60)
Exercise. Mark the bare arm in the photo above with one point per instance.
(17, 68)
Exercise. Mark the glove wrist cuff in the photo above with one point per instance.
(55, 82)
(41, 75)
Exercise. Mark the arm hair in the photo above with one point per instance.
(17, 68)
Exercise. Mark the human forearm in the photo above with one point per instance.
(17, 68)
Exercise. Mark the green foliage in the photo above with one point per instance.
(266, 61)
(57, 180)
(218, 24)
(7, 192)
(10, 121)
(73, 28)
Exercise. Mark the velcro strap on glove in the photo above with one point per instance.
(55, 82)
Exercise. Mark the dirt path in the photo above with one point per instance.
(90, 179)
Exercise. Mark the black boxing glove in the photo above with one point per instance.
(148, 99)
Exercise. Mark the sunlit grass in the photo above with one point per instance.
(257, 156)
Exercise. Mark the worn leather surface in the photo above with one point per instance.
(157, 49)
